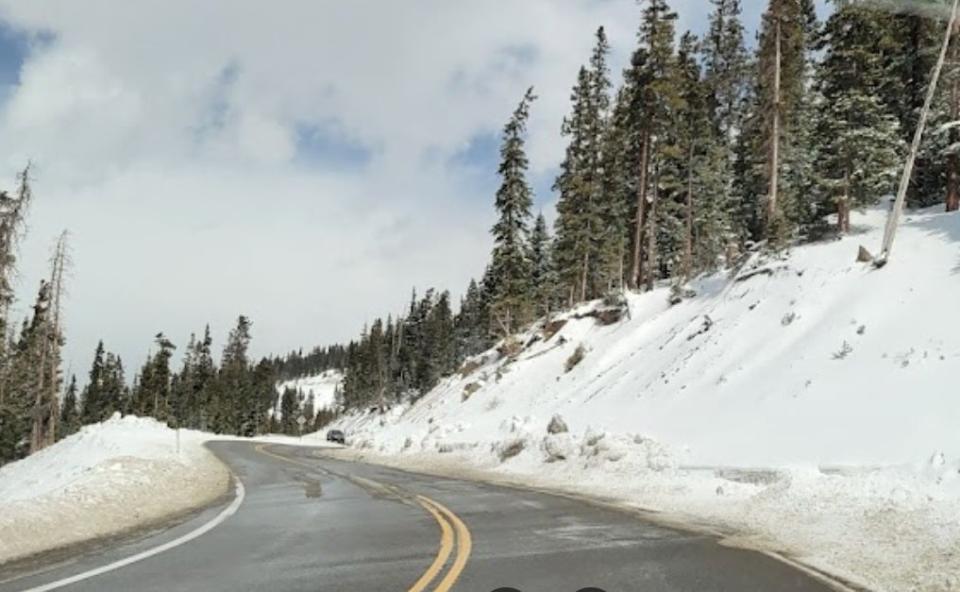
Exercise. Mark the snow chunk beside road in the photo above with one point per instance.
(102, 481)
(804, 405)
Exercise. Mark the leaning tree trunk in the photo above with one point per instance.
(953, 162)
(890, 230)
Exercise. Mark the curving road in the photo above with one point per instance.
(308, 523)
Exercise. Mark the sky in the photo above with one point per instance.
(305, 163)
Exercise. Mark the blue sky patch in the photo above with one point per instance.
(327, 145)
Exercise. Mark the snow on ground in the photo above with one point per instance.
(807, 406)
(322, 388)
(102, 481)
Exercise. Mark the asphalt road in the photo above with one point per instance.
(314, 524)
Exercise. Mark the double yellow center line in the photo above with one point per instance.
(445, 518)
(453, 534)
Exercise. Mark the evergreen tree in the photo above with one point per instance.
(235, 392)
(94, 406)
(858, 138)
(510, 266)
(542, 280)
(653, 79)
(586, 242)
(13, 211)
(289, 401)
(69, 410)
(472, 324)
(726, 62)
(726, 69)
(152, 397)
(782, 59)
(577, 207)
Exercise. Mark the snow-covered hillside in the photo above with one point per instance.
(322, 388)
(808, 403)
(104, 480)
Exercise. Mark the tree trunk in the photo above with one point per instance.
(775, 135)
(688, 231)
(953, 162)
(636, 277)
(652, 232)
(843, 207)
(583, 271)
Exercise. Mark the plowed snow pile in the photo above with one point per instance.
(805, 404)
(106, 479)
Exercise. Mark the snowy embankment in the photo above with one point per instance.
(321, 389)
(106, 479)
(806, 405)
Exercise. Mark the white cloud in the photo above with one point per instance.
(165, 138)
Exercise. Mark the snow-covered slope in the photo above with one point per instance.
(104, 480)
(810, 401)
(322, 388)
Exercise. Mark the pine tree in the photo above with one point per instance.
(542, 280)
(726, 69)
(725, 63)
(780, 84)
(472, 324)
(235, 389)
(704, 164)
(586, 242)
(69, 411)
(152, 397)
(289, 401)
(510, 266)
(652, 78)
(859, 140)
(577, 207)
(13, 210)
(908, 42)
(95, 408)
(658, 30)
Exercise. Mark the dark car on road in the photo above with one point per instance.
(336, 436)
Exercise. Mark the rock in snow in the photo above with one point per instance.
(557, 425)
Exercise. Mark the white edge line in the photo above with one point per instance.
(226, 513)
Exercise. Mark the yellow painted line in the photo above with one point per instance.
(446, 547)
(445, 518)
(464, 545)
(262, 449)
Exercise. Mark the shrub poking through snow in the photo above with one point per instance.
(511, 449)
(557, 425)
(552, 328)
(470, 366)
(469, 390)
(575, 358)
(609, 316)
(845, 350)
(510, 348)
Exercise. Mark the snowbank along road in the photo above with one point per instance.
(307, 522)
